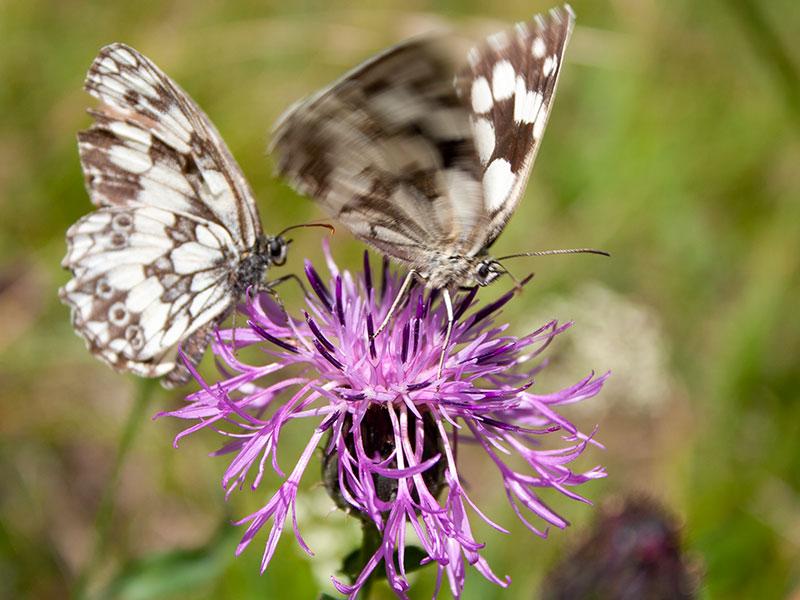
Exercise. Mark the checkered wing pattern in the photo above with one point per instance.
(508, 85)
(176, 236)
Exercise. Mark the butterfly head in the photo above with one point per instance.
(487, 270)
(275, 249)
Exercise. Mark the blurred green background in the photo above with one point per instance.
(673, 144)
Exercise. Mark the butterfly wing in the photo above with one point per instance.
(152, 144)
(145, 279)
(508, 86)
(388, 150)
(156, 264)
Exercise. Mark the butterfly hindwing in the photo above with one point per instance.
(508, 86)
(176, 237)
(145, 278)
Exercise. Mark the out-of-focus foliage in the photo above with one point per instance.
(673, 144)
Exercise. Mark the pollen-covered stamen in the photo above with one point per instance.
(319, 288)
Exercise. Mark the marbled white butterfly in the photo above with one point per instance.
(423, 167)
(176, 239)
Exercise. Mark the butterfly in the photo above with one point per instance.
(176, 239)
(426, 163)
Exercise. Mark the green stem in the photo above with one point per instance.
(369, 545)
(108, 501)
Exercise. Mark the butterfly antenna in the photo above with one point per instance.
(517, 282)
(565, 251)
(325, 225)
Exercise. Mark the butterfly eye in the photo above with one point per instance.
(277, 249)
(484, 270)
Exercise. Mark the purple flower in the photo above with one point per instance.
(389, 428)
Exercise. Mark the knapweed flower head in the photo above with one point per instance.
(388, 427)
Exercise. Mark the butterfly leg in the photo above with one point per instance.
(268, 288)
(299, 281)
(448, 304)
(396, 302)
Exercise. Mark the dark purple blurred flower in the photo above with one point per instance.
(391, 428)
(633, 551)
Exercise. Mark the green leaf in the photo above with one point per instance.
(173, 573)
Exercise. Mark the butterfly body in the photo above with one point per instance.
(176, 238)
(423, 161)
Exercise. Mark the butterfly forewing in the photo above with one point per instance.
(422, 161)
(386, 149)
(508, 86)
(160, 263)
(151, 143)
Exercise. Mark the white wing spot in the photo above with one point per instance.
(481, 96)
(485, 139)
(125, 277)
(132, 133)
(549, 65)
(129, 159)
(497, 182)
(498, 41)
(215, 182)
(143, 294)
(538, 48)
(124, 56)
(177, 115)
(503, 80)
(113, 84)
(109, 64)
(522, 31)
(200, 301)
(98, 330)
(192, 257)
(473, 57)
(154, 319)
(176, 330)
(203, 281)
(526, 104)
(205, 237)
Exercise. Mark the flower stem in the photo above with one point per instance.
(108, 501)
(370, 543)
